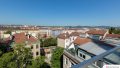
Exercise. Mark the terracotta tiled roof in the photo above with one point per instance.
(98, 32)
(63, 36)
(80, 41)
(32, 39)
(21, 38)
(113, 35)
(75, 34)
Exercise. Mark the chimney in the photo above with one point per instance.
(28, 36)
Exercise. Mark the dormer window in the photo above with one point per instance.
(81, 54)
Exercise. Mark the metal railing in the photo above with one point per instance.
(89, 63)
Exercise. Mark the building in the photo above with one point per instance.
(63, 40)
(104, 60)
(83, 49)
(45, 32)
(56, 31)
(48, 54)
(112, 39)
(27, 40)
(96, 34)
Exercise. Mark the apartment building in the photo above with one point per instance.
(44, 32)
(109, 59)
(27, 40)
(97, 34)
(63, 40)
(112, 39)
(84, 49)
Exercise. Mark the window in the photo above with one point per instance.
(66, 61)
(32, 47)
(81, 55)
(37, 53)
(84, 56)
(36, 46)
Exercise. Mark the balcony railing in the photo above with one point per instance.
(89, 63)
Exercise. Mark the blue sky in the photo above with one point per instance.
(60, 12)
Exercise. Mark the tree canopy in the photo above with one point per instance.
(113, 30)
(21, 57)
(57, 58)
(8, 32)
(48, 42)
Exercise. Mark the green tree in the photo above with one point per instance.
(12, 64)
(0, 52)
(36, 63)
(39, 62)
(19, 58)
(23, 56)
(114, 30)
(117, 31)
(56, 58)
(111, 30)
(5, 59)
(41, 42)
(8, 32)
(49, 42)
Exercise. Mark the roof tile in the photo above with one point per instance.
(80, 41)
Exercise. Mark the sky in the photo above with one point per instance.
(60, 12)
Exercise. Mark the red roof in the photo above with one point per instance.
(98, 32)
(63, 36)
(21, 38)
(113, 35)
(80, 41)
(75, 34)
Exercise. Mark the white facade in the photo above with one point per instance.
(34, 33)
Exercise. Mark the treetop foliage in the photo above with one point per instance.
(48, 42)
(113, 30)
(21, 57)
(57, 58)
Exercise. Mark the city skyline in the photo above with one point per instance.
(60, 12)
